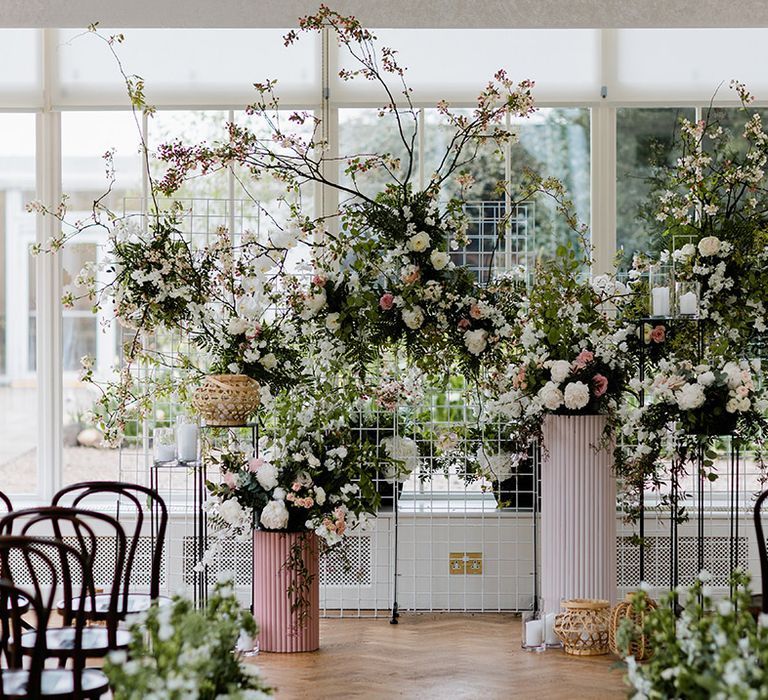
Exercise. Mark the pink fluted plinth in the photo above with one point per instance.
(281, 629)
(578, 512)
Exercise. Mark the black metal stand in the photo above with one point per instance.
(199, 518)
(700, 480)
(396, 507)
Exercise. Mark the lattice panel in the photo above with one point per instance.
(349, 565)
(141, 572)
(717, 560)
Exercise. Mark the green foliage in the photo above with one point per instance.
(177, 652)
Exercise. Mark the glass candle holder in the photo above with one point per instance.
(164, 444)
(661, 291)
(533, 631)
(687, 294)
(551, 640)
(186, 439)
(247, 645)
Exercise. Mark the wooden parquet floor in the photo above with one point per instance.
(436, 657)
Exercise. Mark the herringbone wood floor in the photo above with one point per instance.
(436, 657)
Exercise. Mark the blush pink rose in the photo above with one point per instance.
(319, 280)
(475, 311)
(229, 479)
(463, 324)
(658, 334)
(386, 301)
(583, 359)
(600, 383)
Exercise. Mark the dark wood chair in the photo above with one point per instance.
(5, 502)
(141, 506)
(761, 551)
(39, 563)
(99, 540)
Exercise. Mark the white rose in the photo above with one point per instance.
(690, 396)
(706, 378)
(319, 495)
(439, 259)
(710, 245)
(274, 516)
(476, 341)
(551, 396)
(576, 395)
(419, 243)
(413, 318)
(560, 370)
(332, 322)
(266, 475)
(269, 361)
(231, 511)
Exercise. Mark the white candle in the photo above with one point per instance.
(164, 453)
(186, 442)
(688, 304)
(534, 633)
(660, 301)
(549, 629)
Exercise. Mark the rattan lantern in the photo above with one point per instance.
(583, 627)
(640, 647)
(227, 399)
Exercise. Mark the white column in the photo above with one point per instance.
(578, 512)
(603, 188)
(48, 266)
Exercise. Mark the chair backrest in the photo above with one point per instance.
(97, 537)
(5, 502)
(761, 547)
(144, 506)
(31, 579)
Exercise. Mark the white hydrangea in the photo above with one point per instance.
(690, 396)
(230, 511)
(266, 475)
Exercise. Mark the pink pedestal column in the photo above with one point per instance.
(578, 512)
(282, 629)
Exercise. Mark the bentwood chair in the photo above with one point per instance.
(40, 564)
(7, 507)
(100, 542)
(761, 549)
(5, 502)
(141, 506)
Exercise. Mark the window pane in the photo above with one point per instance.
(20, 71)
(644, 137)
(86, 137)
(18, 380)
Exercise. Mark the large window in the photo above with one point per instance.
(18, 307)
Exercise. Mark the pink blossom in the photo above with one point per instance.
(386, 302)
(583, 359)
(254, 332)
(475, 311)
(319, 280)
(464, 324)
(600, 383)
(412, 275)
(229, 480)
(658, 334)
(255, 463)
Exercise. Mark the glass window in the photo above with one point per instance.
(86, 137)
(644, 138)
(18, 380)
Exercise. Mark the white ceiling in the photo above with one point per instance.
(387, 13)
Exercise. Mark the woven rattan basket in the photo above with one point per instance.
(640, 648)
(583, 627)
(227, 399)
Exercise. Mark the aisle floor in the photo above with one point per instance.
(436, 656)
